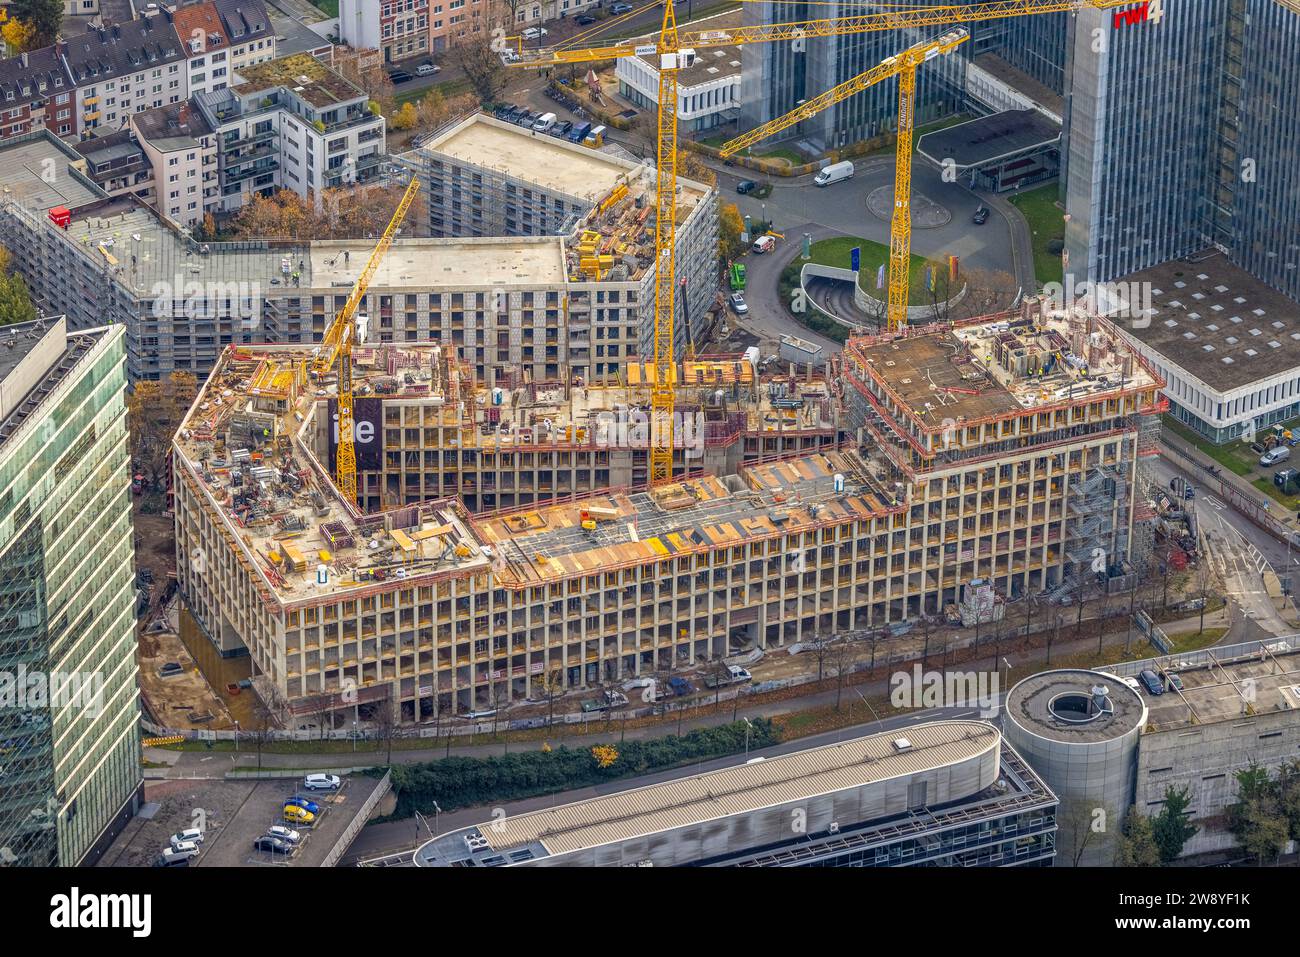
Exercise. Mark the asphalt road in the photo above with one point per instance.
(405, 836)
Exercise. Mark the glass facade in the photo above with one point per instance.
(69, 724)
(1183, 135)
(777, 76)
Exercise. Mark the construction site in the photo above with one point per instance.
(998, 452)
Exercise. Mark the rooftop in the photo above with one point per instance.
(557, 166)
(1217, 322)
(244, 20)
(258, 391)
(698, 799)
(176, 126)
(1224, 683)
(420, 263)
(32, 76)
(694, 515)
(34, 358)
(1018, 79)
(1060, 706)
(303, 75)
(984, 368)
(199, 25)
(986, 139)
(26, 161)
(131, 46)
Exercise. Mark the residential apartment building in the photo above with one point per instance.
(292, 123)
(72, 774)
(247, 27)
(397, 28)
(484, 177)
(97, 76)
(1018, 482)
(117, 164)
(36, 93)
(201, 32)
(949, 794)
(122, 69)
(181, 149)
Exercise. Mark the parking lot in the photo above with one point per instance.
(233, 814)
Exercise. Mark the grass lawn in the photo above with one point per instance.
(328, 7)
(836, 252)
(1195, 640)
(1234, 456)
(448, 89)
(793, 157)
(1046, 224)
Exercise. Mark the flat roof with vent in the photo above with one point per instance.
(700, 798)
(1218, 322)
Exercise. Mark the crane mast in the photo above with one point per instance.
(676, 50)
(336, 348)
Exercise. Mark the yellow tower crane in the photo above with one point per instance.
(903, 66)
(336, 346)
(675, 49)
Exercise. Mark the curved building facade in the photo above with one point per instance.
(1079, 730)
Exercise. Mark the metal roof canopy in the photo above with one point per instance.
(989, 139)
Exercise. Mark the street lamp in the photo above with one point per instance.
(748, 726)
(879, 723)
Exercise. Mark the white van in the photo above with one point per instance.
(1279, 453)
(764, 244)
(834, 173)
(544, 123)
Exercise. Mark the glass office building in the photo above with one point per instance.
(1183, 135)
(776, 77)
(69, 715)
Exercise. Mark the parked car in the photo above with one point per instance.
(1128, 680)
(503, 110)
(322, 782)
(561, 129)
(732, 676)
(981, 216)
(1151, 681)
(427, 69)
(273, 844)
(399, 76)
(170, 857)
(293, 814)
(534, 33)
(763, 244)
(191, 835)
(1175, 683)
(299, 801)
(527, 119)
(619, 8)
(680, 686)
(516, 112)
(284, 833)
(584, 20)
(746, 186)
(738, 304)
(509, 56)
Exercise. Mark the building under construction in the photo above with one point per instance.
(1001, 450)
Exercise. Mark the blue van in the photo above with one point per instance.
(579, 132)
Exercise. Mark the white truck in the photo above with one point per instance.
(834, 173)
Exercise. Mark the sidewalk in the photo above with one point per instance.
(208, 764)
